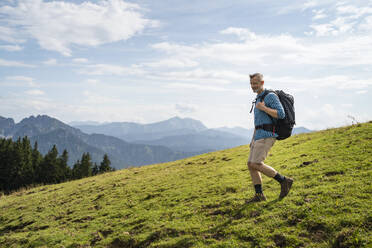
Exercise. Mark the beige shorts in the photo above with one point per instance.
(259, 149)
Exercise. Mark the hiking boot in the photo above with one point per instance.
(285, 187)
(256, 198)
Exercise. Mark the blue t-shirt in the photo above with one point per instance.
(260, 117)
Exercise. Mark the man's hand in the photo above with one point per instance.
(261, 106)
(269, 111)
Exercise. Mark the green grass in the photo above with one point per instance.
(199, 201)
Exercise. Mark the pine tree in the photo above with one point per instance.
(76, 170)
(95, 169)
(6, 164)
(86, 165)
(27, 171)
(17, 163)
(36, 161)
(105, 164)
(21, 165)
(49, 167)
(64, 171)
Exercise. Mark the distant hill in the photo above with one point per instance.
(77, 123)
(130, 131)
(240, 131)
(163, 141)
(74, 145)
(6, 125)
(178, 134)
(48, 131)
(200, 201)
(298, 130)
(207, 140)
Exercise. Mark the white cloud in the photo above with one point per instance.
(361, 92)
(302, 5)
(208, 88)
(35, 92)
(50, 62)
(99, 109)
(10, 63)
(355, 10)
(366, 25)
(265, 49)
(92, 81)
(319, 14)
(107, 69)
(347, 105)
(23, 79)
(170, 48)
(280, 51)
(58, 25)
(338, 26)
(172, 63)
(186, 108)
(80, 60)
(242, 33)
(344, 18)
(10, 35)
(275, 50)
(325, 116)
(202, 76)
(176, 74)
(92, 98)
(11, 48)
(20, 78)
(195, 87)
(340, 82)
(323, 29)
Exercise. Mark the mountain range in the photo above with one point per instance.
(48, 131)
(179, 134)
(127, 143)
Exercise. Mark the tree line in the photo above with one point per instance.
(22, 165)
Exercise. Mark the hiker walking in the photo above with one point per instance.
(267, 110)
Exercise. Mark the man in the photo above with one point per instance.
(263, 139)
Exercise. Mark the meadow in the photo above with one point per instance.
(200, 201)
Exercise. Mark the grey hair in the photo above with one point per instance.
(257, 75)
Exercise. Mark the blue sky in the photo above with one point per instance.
(147, 61)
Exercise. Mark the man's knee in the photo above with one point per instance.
(254, 166)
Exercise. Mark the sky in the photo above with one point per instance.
(146, 61)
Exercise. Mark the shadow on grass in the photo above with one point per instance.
(216, 232)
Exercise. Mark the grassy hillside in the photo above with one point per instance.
(199, 201)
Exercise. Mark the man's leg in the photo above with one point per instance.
(255, 176)
(256, 180)
(256, 168)
(259, 152)
(285, 182)
(264, 168)
(257, 183)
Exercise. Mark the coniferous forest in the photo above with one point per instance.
(22, 165)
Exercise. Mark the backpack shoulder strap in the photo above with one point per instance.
(265, 94)
(263, 97)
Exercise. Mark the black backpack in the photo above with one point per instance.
(283, 127)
